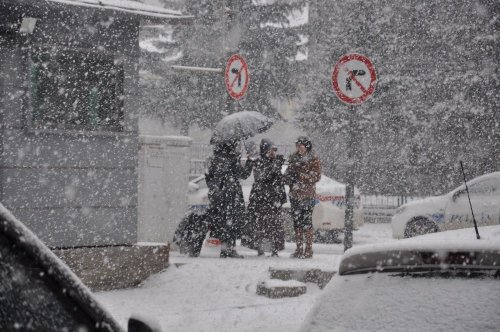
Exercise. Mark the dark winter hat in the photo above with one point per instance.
(305, 141)
(265, 145)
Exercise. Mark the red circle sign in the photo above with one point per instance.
(236, 76)
(354, 78)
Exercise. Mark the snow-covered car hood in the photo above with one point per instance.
(327, 186)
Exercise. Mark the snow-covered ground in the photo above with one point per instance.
(213, 294)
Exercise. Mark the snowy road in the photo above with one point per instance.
(212, 294)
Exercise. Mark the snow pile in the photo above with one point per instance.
(212, 294)
(272, 283)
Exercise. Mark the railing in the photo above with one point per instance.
(197, 168)
(380, 209)
(199, 159)
(201, 151)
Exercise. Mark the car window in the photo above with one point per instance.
(31, 300)
(487, 187)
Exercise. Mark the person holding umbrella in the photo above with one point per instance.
(303, 171)
(226, 210)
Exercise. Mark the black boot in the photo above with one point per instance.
(230, 253)
(227, 251)
(298, 240)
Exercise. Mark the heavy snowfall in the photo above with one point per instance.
(249, 165)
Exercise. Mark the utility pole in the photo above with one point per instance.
(352, 156)
(223, 29)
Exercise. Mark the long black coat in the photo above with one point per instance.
(266, 198)
(226, 211)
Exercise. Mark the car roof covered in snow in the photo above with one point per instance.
(450, 249)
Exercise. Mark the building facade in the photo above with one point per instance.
(69, 134)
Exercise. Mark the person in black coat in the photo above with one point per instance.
(226, 211)
(266, 199)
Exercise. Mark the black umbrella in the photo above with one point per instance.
(240, 125)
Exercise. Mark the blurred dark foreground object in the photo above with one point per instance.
(38, 292)
(190, 233)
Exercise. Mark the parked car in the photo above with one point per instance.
(38, 292)
(447, 281)
(452, 210)
(328, 214)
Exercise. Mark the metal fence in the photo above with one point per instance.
(380, 208)
(200, 152)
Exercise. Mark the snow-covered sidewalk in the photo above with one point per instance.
(213, 294)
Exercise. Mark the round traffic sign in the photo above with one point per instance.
(354, 78)
(236, 76)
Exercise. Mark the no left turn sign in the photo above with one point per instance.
(354, 78)
(236, 76)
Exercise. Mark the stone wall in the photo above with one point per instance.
(116, 267)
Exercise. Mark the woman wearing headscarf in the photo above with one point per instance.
(266, 199)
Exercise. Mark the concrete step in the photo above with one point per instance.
(276, 289)
(317, 276)
(115, 267)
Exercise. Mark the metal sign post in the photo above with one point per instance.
(351, 179)
(353, 81)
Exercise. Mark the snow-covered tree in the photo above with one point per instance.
(269, 39)
(179, 96)
(435, 102)
(266, 33)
